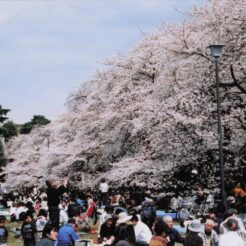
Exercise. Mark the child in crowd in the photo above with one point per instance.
(3, 231)
(29, 230)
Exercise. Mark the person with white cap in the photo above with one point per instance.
(195, 236)
(123, 217)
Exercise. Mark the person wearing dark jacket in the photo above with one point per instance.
(172, 233)
(53, 195)
(107, 230)
(29, 230)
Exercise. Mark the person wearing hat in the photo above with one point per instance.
(53, 195)
(195, 235)
(123, 217)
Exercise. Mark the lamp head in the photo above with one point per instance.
(194, 171)
(216, 50)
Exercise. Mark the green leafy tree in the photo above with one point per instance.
(3, 131)
(37, 120)
(40, 120)
(11, 129)
(2, 157)
(3, 113)
(26, 128)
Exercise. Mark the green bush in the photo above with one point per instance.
(11, 129)
(37, 120)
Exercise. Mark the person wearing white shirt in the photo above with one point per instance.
(20, 209)
(63, 213)
(231, 237)
(232, 214)
(142, 232)
(104, 192)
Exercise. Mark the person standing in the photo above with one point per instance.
(29, 230)
(104, 192)
(53, 195)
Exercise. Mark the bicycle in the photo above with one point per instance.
(192, 210)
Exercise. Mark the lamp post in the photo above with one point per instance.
(216, 53)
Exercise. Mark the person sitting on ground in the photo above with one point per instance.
(29, 230)
(30, 210)
(3, 231)
(107, 231)
(49, 236)
(211, 236)
(117, 200)
(172, 233)
(239, 192)
(231, 238)
(41, 219)
(116, 214)
(203, 196)
(124, 235)
(148, 211)
(195, 236)
(212, 215)
(142, 232)
(107, 213)
(232, 213)
(160, 237)
(20, 209)
(37, 206)
(63, 219)
(67, 235)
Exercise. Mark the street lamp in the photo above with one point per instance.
(216, 53)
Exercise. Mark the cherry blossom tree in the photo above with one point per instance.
(150, 117)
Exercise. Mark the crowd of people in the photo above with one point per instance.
(125, 218)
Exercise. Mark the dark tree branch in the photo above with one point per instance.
(237, 84)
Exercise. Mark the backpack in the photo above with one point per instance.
(148, 211)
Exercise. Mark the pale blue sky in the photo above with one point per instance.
(49, 47)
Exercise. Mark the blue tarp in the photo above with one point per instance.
(161, 213)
